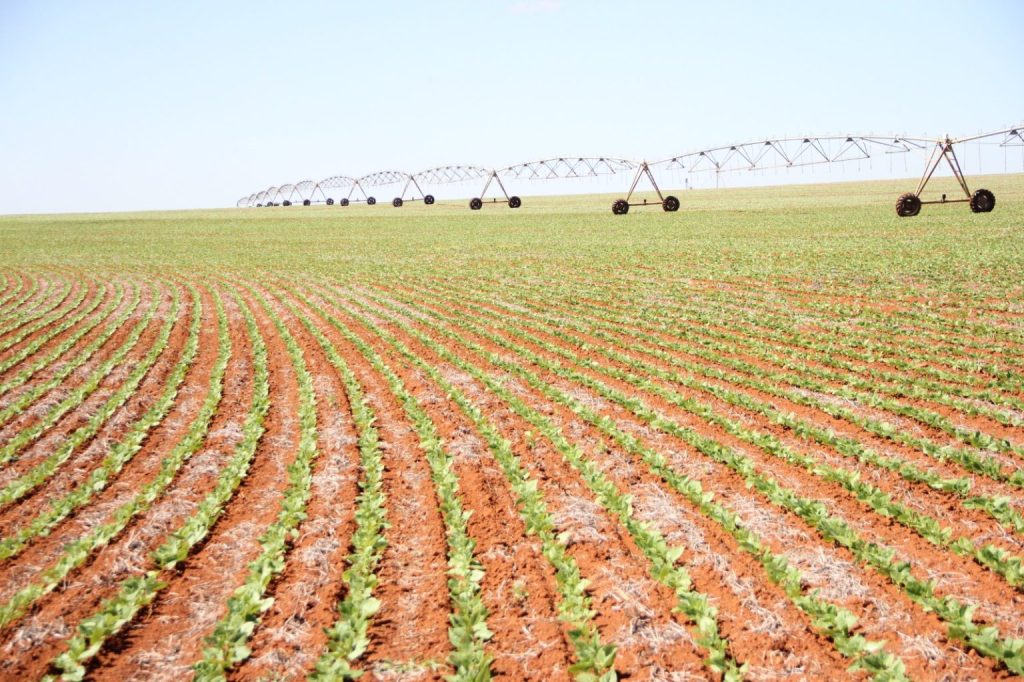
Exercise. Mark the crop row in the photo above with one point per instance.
(40, 316)
(657, 347)
(75, 397)
(856, 354)
(59, 350)
(574, 370)
(139, 590)
(833, 621)
(983, 637)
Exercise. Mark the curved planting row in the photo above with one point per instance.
(275, 477)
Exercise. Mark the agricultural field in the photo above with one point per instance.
(778, 434)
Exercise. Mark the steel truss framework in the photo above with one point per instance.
(558, 168)
(764, 154)
(791, 152)
(396, 177)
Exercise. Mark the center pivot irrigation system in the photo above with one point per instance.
(765, 154)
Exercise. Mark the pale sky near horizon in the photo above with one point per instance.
(112, 105)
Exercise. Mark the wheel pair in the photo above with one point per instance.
(428, 199)
(397, 202)
(620, 207)
(343, 202)
(286, 203)
(306, 202)
(983, 201)
(370, 201)
(330, 202)
(514, 202)
(908, 205)
(476, 204)
(670, 204)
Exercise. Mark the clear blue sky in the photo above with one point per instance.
(129, 105)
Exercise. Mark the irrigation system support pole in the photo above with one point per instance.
(644, 169)
(476, 203)
(667, 203)
(982, 201)
(493, 177)
(944, 150)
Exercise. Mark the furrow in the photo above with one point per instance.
(66, 342)
(467, 631)
(114, 515)
(930, 408)
(226, 646)
(35, 299)
(742, 605)
(68, 402)
(218, 541)
(178, 416)
(71, 316)
(40, 317)
(524, 601)
(28, 481)
(881, 360)
(173, 518)
(645, 540)
(760, 395)
(833, 528)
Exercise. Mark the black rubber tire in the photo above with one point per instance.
(908, 205)
(370, 201)
(476, 204)
(286, 203)
(983, 201)
(259, 205)
(514, 202)
(620, 207)
(330, 201)
(343, 202)
(306, 202)
(670, 204)
(397, 202)
(428, 199)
